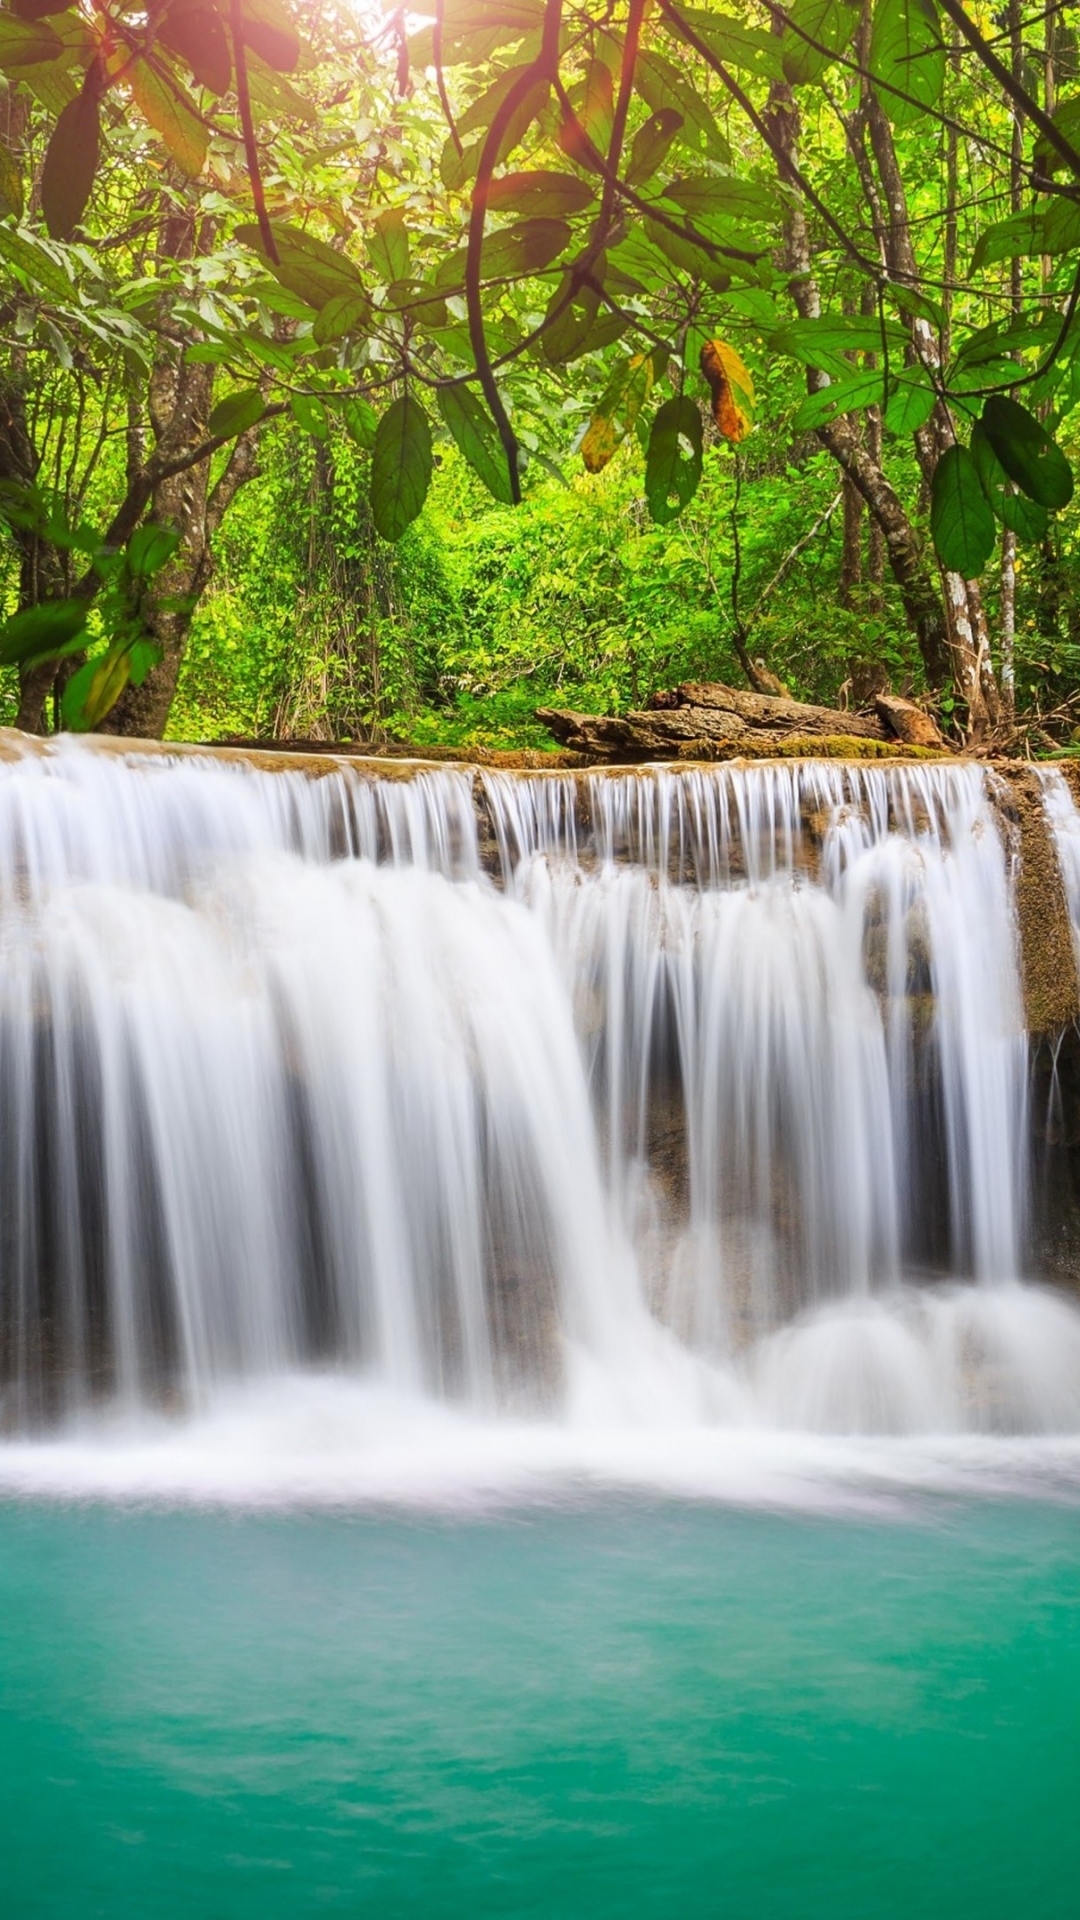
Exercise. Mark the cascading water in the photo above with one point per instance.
(663, 1098)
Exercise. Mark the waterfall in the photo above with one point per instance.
(665, 1095)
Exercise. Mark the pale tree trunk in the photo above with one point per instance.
(968, 635)
(922, 602)
(1016, 292)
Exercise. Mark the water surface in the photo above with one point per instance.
(624, 1708)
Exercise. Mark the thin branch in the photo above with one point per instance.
(251, 150)
(440, 78)
(1013, 88)
(541, 68)
(761, 128)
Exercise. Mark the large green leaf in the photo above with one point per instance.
(1066, 118)
(827, 342)
(661, 84)
(400, 467)
(307, 267)
(907, 52)
(723, 196)
(476, 435)
(70, 164)
(171, 114)
(388, 246)
(911, 405)
(568, 335)
(862, 389)
(829, 28)
(194, 30)
(95, 689)
(1026, 518)
(541, 193)
(43, 632)
(747, 48)
(1009, 239)
(236, 413)
(269, 30)
(26, 43)
(345, 313)
(673, 459)
(1026, 451)
(527, 247)
(650, 144)
(360, 421)
(960, 517)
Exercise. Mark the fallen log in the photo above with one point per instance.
(771, 710)
(705, 720)
(907, 721)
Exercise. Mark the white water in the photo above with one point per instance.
(702, 1113)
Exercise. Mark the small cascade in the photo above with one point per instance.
(693, 1094)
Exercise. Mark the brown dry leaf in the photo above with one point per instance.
(731, 387)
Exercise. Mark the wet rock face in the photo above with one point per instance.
(1054, 1096)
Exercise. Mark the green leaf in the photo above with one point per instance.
(26, 43)
(195, 31)
(568, 335)
(360, 421)
(400, 467)
(44, 632)
(831, 23)
(825, 343)
(527, 247)
(236, 413)
(310, 414)
(477, 437)
(143, 657)
(70, 164)
(388, 246)
(307, 267)
(1061, 226)
(1008, 239)
(673, 460)
(542, 192)
(593, 101)
(747, 48)
(919, 305)
(911, 405)
(149, 549)
(862, 389)
(270, 32)
(661, 85)
(650, 144)
(1026, 518)
(275, 97)
(907, 52)
(172, 115)
(960, 518)
(1026, 451)
(1066, 118)
(95, 689)
(722, 196)
(345, 313)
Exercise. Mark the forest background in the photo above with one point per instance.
(370, 377)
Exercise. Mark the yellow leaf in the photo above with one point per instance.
(617, 409)
(731, 387)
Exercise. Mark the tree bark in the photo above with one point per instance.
(922, 602)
